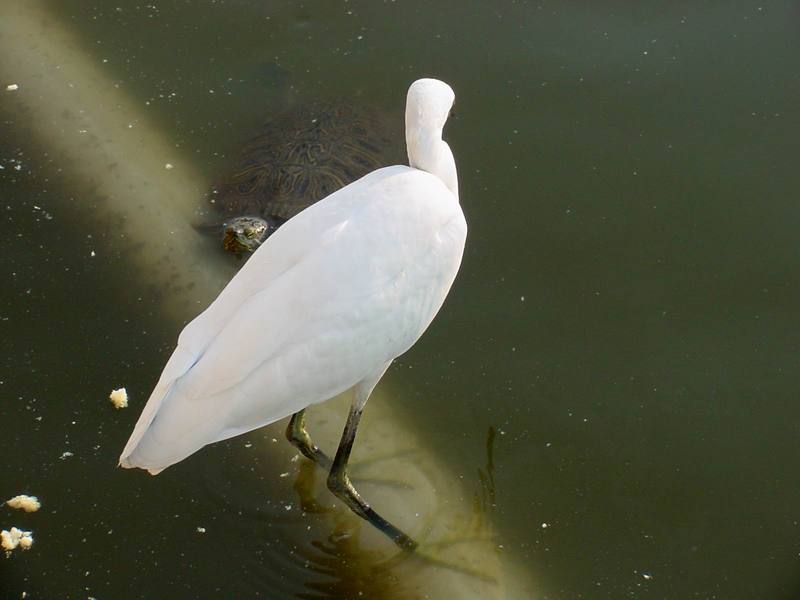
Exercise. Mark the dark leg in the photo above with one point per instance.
(296, 433)
(339, 481)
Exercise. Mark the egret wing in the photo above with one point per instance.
(282, 250)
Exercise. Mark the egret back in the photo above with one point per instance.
(342, 288)
(287, 246)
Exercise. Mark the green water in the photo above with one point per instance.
(625, 318)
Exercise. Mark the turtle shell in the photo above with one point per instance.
(306, 153)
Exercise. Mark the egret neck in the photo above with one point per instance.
(428, 152)
(427, 109)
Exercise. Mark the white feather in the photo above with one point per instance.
(339, 290)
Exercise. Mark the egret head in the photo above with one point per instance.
(428, 104)
(244, 234)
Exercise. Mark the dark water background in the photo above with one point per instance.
(626, 316)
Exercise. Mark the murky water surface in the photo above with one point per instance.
(626, 320)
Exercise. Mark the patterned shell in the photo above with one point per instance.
(306, 153)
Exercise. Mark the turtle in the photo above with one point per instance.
(298, 157)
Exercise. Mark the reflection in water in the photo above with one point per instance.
(347, 566)
(485, 500)
(345, 570)
(271, 519)
(304, 485)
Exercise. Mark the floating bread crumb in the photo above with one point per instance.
(26, 541)
(9, 540)
(26, 503)
(119, 398)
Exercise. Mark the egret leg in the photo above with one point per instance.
(296, 433)
(339, 480)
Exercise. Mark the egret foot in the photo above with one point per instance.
(296, 433)
(339, 483)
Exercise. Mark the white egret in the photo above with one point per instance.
(323, 306)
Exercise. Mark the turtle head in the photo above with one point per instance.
(244, 234)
